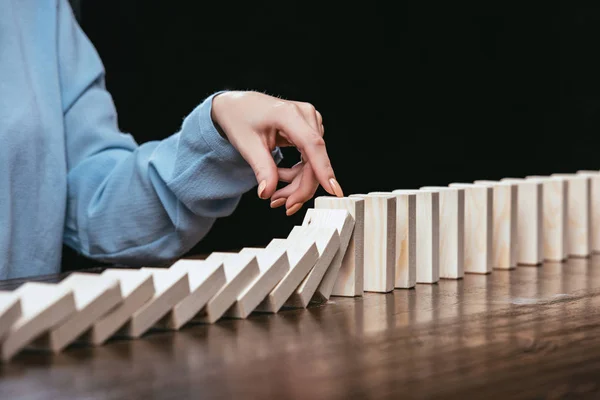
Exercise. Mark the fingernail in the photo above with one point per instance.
(293, 209)
(335, 186)
(261, 188)
(278, 203)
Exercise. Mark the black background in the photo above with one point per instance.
(411, 95)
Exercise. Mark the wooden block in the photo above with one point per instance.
(273, 265)
(205, 278)
(95, 295)
(343, 222)
(137, 288)
(380, 242)
(478, 227)
(240, 271)
(350, 277)
(579, 214)
(594, 208)
(451, 230)
(328, 243)
(10, 311)
(302, 256)
(170, 287)
(555, 221)
(428, 236)
(43, 306)
(530, 217)
(505, 232)
(405, 265)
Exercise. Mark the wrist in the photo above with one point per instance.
(217, 105)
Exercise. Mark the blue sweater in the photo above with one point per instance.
(68, 175)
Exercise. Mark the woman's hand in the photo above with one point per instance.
(256, 123)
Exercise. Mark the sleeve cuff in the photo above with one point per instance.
(217, 143)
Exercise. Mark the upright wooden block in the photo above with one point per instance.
(343, 222)
(427, 234)
(328, 243)
(205, 279)
(504, 236)
(350, 277)
(273, 265)
(10, 311)
(240, 271)
(555, 221)
(479, 228)
(380, 246)
(405, 274)
(530, 220)
(594, 208)
(451, 230)
(137, 288)
(170, 287)
(43, 306)
(579, 214)
(95, 295)
(302, 255)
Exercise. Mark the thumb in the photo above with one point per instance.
(259, 157)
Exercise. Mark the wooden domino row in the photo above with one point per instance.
(374, 242)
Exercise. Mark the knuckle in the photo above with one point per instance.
(316, 141)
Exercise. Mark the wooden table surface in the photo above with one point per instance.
(531, 333)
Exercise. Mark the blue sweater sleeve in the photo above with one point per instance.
(138, 204)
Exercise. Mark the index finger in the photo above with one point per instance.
(309, 142)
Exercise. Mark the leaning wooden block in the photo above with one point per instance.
(343, 222)
(594, 208)
(95, 295)
(273, 265)
(504, 236)
(555, 222)
(43, 306)
(302, 256)
(137, 288)
(328, 243)
(579, 214)
(170, 287)
(205, 278)
(240, 271)
(405, 274)
(451, 230)
(10, 311)
(427, 234)
(350, 277)
(380, 242)
(478, 227)
(530, 216)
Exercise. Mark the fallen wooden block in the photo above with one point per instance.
(530, 216)
(170, 287)
(43, 306)
(451, 231)
(350, 277)
(205, 279)
(427, 234)
(240, 271)
(95, 295)
(478, 227)
(10, 311)
(579, 213)
(380, 238)
(273, 265)
(343, 222)
(505, 233)
(405, 274)
(137, 288)
(328, 243)
(302, 256)
(594, 208)
(555, 224)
